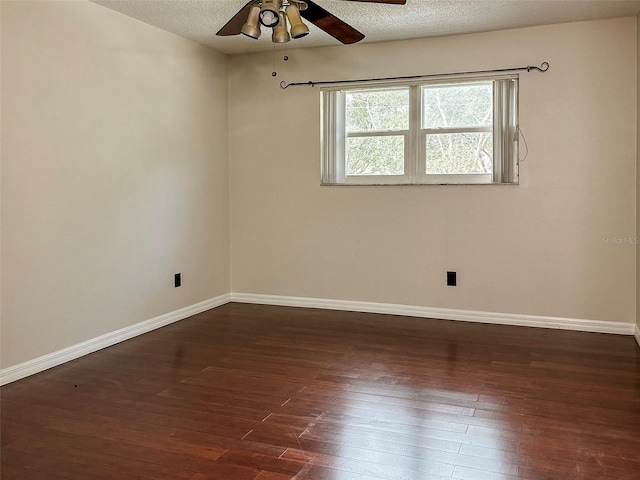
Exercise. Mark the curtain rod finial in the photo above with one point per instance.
(544, 66)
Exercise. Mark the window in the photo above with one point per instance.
(455, 132)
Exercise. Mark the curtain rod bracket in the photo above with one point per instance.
(544, 66)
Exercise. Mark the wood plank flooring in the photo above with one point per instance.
(249, 392)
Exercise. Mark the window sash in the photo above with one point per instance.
(382, 179)
(446, 178)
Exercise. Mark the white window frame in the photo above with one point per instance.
(505, 137)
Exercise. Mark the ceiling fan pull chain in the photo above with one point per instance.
(273, 59)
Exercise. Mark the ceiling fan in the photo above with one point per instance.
(276, 14)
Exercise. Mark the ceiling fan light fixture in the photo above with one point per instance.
(280, 33)
(269, 13)
(252, 27)
(298, 29)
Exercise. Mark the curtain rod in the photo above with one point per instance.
(544, 66)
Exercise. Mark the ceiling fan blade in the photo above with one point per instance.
(393, 2)
(234, 25)
(330, 23)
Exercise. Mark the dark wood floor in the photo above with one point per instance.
(252, 392)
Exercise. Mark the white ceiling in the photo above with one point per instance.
(199, 20)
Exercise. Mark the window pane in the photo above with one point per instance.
(459, 153)
(374, 155)
(377, 110)
(457, 106)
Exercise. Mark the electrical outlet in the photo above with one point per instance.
(451, 279)
(177, 280)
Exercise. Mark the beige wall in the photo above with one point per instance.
(536, 248)
(637, 186)
(114, 174)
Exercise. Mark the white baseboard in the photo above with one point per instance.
(598, 326)
(22, 370)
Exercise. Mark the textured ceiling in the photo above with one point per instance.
(199, 20)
